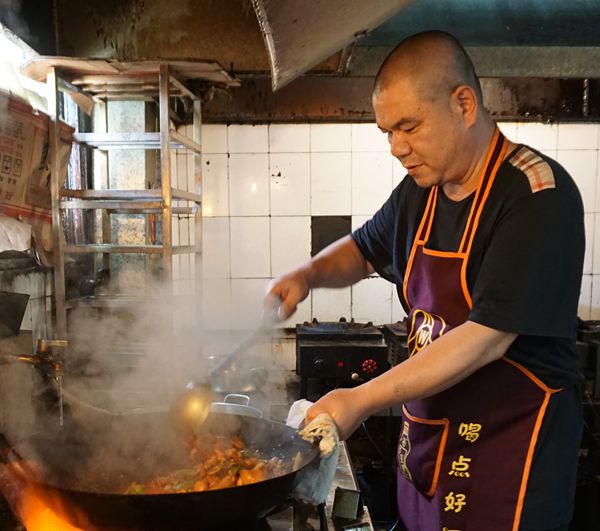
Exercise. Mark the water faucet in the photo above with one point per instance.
(49, 354)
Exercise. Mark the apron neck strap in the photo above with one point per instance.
(494, 158)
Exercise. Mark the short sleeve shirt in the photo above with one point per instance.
(524, 276)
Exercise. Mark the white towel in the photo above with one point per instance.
(316, 481)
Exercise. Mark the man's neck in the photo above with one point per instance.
(458, 190)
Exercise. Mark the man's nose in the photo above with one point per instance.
(399, 146)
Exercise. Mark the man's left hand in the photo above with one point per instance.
(344, 406)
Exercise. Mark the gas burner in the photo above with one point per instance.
(341, 329)
(337, 353)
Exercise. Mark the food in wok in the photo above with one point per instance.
(219, 463)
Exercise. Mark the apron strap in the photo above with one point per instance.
(495, 157)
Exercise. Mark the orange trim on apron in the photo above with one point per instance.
(440, 454)
(435, 411)
(414, 248)
(528, 461)
(470, 228)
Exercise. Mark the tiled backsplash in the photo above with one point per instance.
(262, 184)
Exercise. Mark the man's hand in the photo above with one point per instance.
(339, 265)
(290, 289)
(344, 406)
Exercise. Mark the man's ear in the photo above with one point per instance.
(466, 102)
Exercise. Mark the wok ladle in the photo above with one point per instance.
(190, 410)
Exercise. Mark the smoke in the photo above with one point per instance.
(10, 17)
(124, 368)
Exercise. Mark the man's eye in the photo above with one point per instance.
(409, 129)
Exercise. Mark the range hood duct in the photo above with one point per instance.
(301, 34)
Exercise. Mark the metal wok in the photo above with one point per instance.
(94, 485)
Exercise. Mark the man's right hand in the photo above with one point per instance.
(339, 265)
(291, 289)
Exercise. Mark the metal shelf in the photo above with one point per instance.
(106, 141)
(133, 201)
(125, 249)
(91, 82)
(130, 195)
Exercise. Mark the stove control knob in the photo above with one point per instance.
(369, 366)
(319, 365)
(355, 376)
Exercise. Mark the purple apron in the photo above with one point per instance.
(465, 454)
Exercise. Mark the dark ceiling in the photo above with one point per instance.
(556, 40)
(497, 22)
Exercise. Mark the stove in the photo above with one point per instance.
(339, 353)
(287, 519)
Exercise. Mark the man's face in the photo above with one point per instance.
(426, 136)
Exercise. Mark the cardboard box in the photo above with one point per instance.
(25, 167)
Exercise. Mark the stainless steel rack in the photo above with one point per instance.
(92, 83)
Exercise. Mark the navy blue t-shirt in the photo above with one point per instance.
(524, 276)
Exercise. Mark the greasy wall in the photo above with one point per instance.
(225, 31)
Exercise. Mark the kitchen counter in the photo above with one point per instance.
(306, 518)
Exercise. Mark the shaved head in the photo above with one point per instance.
(434, 61)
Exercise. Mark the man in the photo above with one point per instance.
(484, 240)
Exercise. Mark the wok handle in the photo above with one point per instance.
(321, 509)
(9, 456)
(7, 453)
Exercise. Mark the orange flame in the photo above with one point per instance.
(37, 507)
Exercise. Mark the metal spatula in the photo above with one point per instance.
(189, 412)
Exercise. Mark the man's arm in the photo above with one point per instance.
(338, 265)
(442, 364)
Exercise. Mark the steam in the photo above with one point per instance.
(10, 17)
(125, 367)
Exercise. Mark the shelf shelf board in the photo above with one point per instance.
(126, 249)
(110, 204)
(112, 248)
(126, 195)
(141, 140)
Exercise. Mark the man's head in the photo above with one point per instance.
(428, 100)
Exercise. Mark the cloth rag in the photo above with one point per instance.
(315, 484)
(14, 235)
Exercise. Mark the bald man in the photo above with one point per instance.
(484, 240)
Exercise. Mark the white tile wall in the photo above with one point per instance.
(581, 164)
(330, 137)
(359, 221)
(248, 139)
(368, 137)
(215, 185)
(290, 184)
(214, 138)
(585, 298)
(216, 304)
(578, 136)
(371, 181)
(246, 301)
(303, 313)
(289, 138)
(334, 169)
(398, 313)
(398, 172)
(590, 251)
(332, 304)
(372, 300)
(331, 184)
(249, 184)
(537, 135)
(216, 259)
(290, 243)
(250, 247)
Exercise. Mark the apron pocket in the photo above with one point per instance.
(420, 450)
